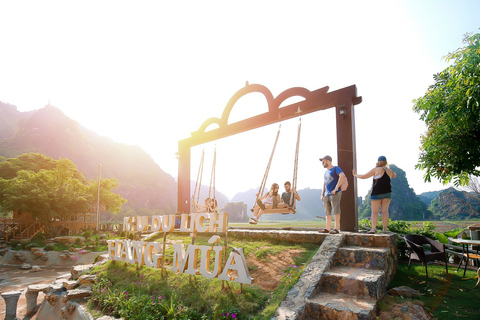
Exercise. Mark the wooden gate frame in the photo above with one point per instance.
(342, 100)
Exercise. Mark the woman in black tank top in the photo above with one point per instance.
(381, 194)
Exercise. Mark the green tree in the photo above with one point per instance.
(49, 188)
(450, 148)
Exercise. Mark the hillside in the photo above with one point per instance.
(455, 204)
(48, 131)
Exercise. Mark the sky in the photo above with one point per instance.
(149, 73)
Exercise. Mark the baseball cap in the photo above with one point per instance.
(326, 158)
(382, 158)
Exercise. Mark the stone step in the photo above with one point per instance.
(326, 305)
(362, 257)
(359, 282)
(384, 240)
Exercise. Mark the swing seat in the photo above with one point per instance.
(278, 210)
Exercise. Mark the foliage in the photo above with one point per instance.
(179, 296)
(451, 110)
(49, 188)
(447, 296)
(49, 247)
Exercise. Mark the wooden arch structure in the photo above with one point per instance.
(342, 100)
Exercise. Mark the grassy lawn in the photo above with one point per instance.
(447, 296)
(125, 290)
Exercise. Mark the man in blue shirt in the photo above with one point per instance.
(332, 194)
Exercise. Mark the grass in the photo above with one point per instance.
(446, 296)
(125, 290)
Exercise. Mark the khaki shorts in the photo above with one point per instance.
(332, 203)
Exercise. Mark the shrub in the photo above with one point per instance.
(49, 247)
(123, 234)
(131, 236)
(14, 244)
(86, 234)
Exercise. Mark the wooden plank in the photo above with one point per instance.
(278, 210)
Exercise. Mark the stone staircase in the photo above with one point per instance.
(344, 280)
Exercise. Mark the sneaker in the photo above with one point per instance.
(252, 221)
(333, 231)
(324, 230)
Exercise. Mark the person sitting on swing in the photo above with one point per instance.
(204, 208)
(268, 201)
(287, 196)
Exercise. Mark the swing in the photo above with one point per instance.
(292, 204)
(212, 205)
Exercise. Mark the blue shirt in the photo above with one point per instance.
(331, 180)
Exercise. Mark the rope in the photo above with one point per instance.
(264, 180)
(199, 179)
(295, 166)
(212, 178)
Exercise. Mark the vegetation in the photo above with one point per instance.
(125, 290)
(455, 204)
(446, 296)
(52, 189)
(451, 109)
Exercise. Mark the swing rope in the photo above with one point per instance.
(212, 177)
(264, 180)
(199, 181)
(295, 167)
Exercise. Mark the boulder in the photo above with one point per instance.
(404, 291)
(26, 266)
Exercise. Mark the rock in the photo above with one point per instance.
(78, 294)
(38, 254)
(404, 291)
(70, 285)
(87, 279)
(68, 309)
(19, 256)
(51, 299)
(35, 249)
(36, 269)
(26, 266)
(78, 270)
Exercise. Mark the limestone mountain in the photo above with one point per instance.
(48, 131)
(455, 204)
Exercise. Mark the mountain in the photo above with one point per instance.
(427, 197)
(405, 205)
(48, 131)
(455, 204)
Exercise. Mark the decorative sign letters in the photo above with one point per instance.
(192, 259)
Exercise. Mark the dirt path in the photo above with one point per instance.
(12, 278)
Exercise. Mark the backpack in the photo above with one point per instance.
(344, 185)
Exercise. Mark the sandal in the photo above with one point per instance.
(372, 232)
(324, 230)
(253, 221)
(333, 231)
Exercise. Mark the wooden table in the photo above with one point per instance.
(466, 252)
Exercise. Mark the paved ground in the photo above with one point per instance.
(12, 278)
